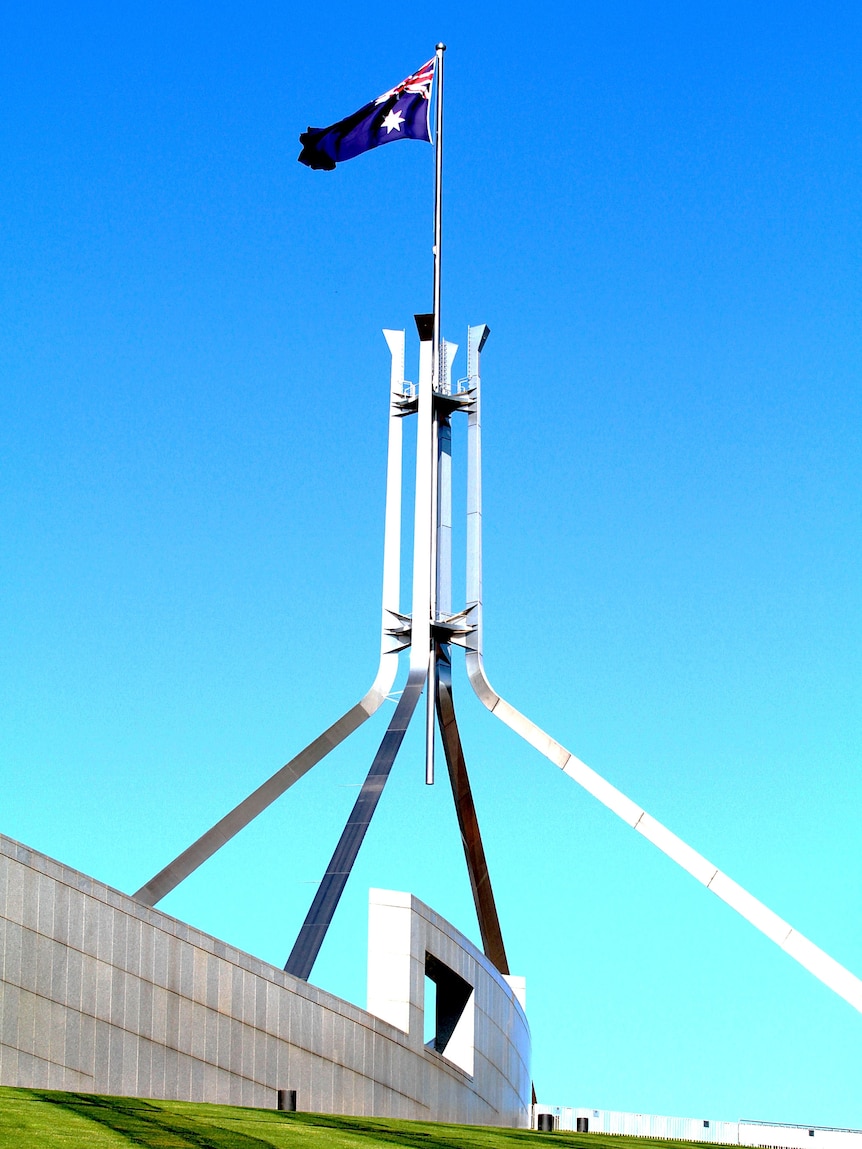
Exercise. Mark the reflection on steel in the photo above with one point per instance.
(468, 823)
(441, 527)
(318, 919)
(394, 636)
(815, 960)
(421, 651)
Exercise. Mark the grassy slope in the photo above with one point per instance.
(43, 1119)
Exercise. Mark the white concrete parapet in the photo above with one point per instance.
(481, 1025)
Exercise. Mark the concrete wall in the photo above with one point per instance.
(101, 994)
(490, 1042)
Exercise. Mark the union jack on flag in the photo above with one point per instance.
(402, 113)
(419, 82)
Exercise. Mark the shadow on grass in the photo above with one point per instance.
(441, 1137)
(142, 1123)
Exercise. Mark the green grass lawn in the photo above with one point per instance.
(46, 1119)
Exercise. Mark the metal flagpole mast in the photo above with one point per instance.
(438, 207)
(436, 385)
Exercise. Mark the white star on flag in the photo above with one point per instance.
(392, 121)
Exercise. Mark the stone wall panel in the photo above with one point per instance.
(102, 994)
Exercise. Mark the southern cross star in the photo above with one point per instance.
(392, 121)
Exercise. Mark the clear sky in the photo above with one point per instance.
(656, 210)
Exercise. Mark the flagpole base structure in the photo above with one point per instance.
(429, 632)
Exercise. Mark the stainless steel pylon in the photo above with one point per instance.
(430, 631)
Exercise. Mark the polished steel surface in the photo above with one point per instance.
(317, 921)
(393, 638)
(432, 603)
(421, 650)
(441, 538)
(815, 960)
(468, 823)
(438, 214)
(319, 917)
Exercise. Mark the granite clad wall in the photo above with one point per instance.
(101, 994)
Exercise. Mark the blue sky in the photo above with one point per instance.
(656, 210)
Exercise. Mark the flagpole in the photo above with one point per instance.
(438, 210)
(436, 384)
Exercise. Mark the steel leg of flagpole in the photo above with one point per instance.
(317, 921)
(393, 638)
(810, 956)
(432, 613)
(468, 823)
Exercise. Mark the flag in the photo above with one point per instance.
(399, 114)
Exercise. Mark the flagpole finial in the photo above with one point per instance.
(441, 47)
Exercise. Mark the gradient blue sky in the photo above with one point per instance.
(656, 210)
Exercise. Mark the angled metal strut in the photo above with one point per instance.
(810, 956)
(313, 932)
(468, 823)
(394, 636)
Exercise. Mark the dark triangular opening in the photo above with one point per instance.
(452, 996)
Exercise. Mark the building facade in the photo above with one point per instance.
(101, 994)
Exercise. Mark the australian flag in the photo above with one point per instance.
(399, 114)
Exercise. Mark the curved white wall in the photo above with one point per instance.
(102, 994)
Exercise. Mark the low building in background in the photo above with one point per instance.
(765, 1134)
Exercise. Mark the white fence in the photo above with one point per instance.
(763, 1134)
